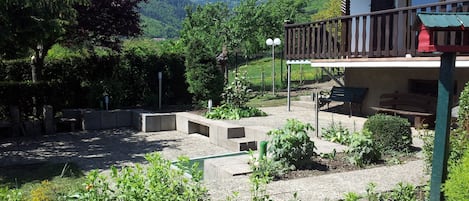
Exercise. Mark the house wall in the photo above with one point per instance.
(389, 80)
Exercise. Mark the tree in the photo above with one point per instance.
(105, 22)
(34, 25)
(209, 23)
(204, 79)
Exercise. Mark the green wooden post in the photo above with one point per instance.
(443, 112)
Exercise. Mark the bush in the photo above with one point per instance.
(291, 144)
(236, 93)
(463, 116)
(158, 181)
(205, 80)
(233, 113)
(390, 133)
(456, 187)
(336, 133)
(362, 150)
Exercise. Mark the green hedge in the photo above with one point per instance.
(456, 188)
(79, 80)
(389, 132)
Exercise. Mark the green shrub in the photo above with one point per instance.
(291, 144)
(336, 133)
(463, 116)
(456, 187)
(390, 133)
(362, 150)
(233, 113)
(158, 181)
(204, 78)
(237, 92)
(7, 194)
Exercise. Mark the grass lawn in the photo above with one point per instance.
(41, 180)
(254, 70)
(269, 100)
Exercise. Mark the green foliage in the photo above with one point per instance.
(336, 133)
(352, 196)
(427, 137)
(7, 194)
(202, 75)
(291, 144)
(158, 181)
(463, 116)
(237, 92)
(233, 113)
(362, 149)
(78, 77)
(403, 192)
(163, 18)
(458, 142)
(332, 10)
(457, 184)
(390, 133)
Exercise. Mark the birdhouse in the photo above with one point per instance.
(431, 25)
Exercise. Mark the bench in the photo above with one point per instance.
(345, 94)
(419, 109)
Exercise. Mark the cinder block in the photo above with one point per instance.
(137, 119)
(182, 123)
(91, 120)
(108, 119)
(168, 122)
(151, 122)
(123, 118)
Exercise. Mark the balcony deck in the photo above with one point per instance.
(383, 37)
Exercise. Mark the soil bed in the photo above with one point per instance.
(340, 163)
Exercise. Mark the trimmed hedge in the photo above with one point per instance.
(390, 133)
(456, 187)
(79, 80)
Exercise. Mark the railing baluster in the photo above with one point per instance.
(395, 34)
(379, 35)
(387, 35)
(355, 39)
(364, 53)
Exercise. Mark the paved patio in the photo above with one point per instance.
(101, 149)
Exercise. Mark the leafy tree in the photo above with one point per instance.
(332, 10)
(105, 22)
(204, 79)
(34, 25)
(209, 23)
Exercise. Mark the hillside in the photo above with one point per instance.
(163, 18)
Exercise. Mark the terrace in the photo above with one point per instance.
(375, 36)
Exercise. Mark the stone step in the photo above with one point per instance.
(239, 144)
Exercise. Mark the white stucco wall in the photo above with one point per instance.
(389, 80)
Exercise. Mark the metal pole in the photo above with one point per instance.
(160, 81)
(316, 110)
(443, 112)
(288, 86)
(273, 69)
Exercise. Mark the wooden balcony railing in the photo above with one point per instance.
(388, 33)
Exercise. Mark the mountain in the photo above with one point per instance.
(163, 18)
(230, 3)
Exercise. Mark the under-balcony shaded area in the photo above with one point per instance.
(381, 34)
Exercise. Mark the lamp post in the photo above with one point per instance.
(273, 43)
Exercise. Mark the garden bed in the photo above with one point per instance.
(340, 163)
